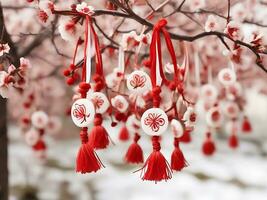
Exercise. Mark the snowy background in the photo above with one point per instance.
(228, 175)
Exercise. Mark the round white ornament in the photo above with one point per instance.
(82, 112)
(39, 119)
(120, 103)
(133, 124)
(138, 82)
(227, 76)
(32, 136)
(177, 128)
(231, 109)
(214, 117)
(154, 121)
(209, 92)
(100, 102)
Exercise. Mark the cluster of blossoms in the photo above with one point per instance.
(155, 87)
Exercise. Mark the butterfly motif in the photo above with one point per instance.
(138, 81)
(154, 121)
(80, 112)
(98, 101)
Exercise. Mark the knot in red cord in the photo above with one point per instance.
(155, 143)
(84, 136)
(83, 89)
(136, 137)
(156, 96)
(208, 134)
(172, 85)
(176, 142)
(98, 119)
(160, 24)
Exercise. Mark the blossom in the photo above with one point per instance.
(211, 24)
(85, 9)
(197, 4)
(233, 30)
(24, 63)
(239, 12)
(4, 48)
(3, 84)
(69, 30)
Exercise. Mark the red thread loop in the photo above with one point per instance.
(155, 143)
(84, 136)
(136, 137)
(160, 24)
(98, 119)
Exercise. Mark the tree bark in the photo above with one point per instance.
(3, 114)
(3, 151)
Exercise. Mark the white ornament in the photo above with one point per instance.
(227, 77)
(154, 121)
(231, 109)
(100, 102)
(32, 136)
(39, 119)
(82, 112)
(133, 124)
(209, 92)
(177, 128)
(138, 82)
(214, 117)
(120, 103)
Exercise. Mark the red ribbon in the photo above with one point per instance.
(99, 63)
(155, 49)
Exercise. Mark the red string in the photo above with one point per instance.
(85, 48)
(75, 51)
(99, 63)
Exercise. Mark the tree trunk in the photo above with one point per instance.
(3, 151)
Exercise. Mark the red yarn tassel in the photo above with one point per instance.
(87, 160)
(124, 134)
(208, 147)
(233, 141)
(39, 146)
(156, 167)
(246, 126)
(134, 153)
(178, 161)
(186, 137)
(98, 137)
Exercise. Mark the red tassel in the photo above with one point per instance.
(39, 146)
(124, 134)
(156, 167)
(186, 137)
(178, 161)
(135, 153)
(98, 137)
(233, 141)
(87, 160)
(208, 147)
(246, 126)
